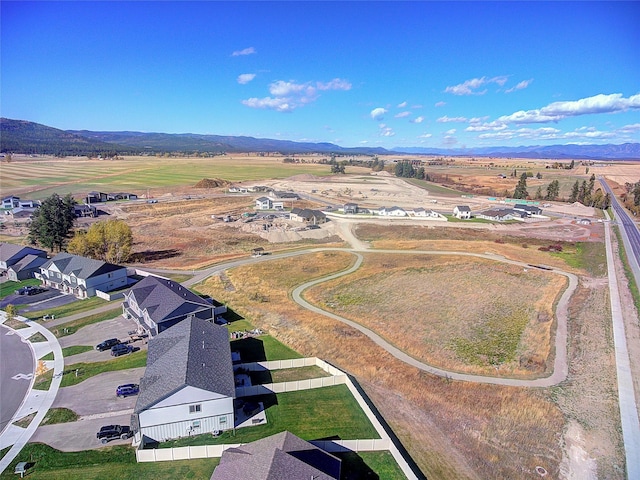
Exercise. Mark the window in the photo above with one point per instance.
(195, 424)
(195, 408)
(223, 420)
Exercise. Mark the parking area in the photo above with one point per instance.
(117, 327)
(48, 298)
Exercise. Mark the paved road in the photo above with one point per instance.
(628, 230)
(17, 367)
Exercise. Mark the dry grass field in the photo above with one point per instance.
(493, 319)
(452, 429)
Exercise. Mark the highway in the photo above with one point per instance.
(629, 231)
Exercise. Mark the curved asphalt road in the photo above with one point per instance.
(17, 368)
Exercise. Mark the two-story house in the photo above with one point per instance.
(188, 386)
(81, 276)
(157, 304)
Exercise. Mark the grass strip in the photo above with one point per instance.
(7, 288)
(105, 463)
(48, 356)
(75, 350)
(328, 412)
(43, 382)
(364, 465)
(37, 338)
(78, 306)
(633, 286)
(59, 415)
(73, 326)
(88, 370)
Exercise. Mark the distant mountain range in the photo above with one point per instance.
(20, 136)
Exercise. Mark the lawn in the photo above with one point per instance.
(287, 375)
(59, 415)
(43, 382)
(75, 350)
(88, 370)
(9, 287)
(104, 464)
(78, 306)
(328, 412)
(368, 465)
(72, 327)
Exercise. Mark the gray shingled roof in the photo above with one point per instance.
(193, 353)
(165, 299)
(28, 262)
(278, 457)
(10, 251)
(81, 267)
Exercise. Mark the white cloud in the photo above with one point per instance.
(556, 111)
(440, 104)
(278, 104)
(402, 105)
(470, 87)
(548, 133)
(485, 127)
(446, 119)
(335, 84)
(245, 51)
(450, 132)
(386, 131)
(245, 78)
(402, 114)
(419, 119)
(522, 85)
(287, 96)
(635, 127)
(426, 135)
(378, 113)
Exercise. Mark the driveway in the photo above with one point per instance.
(97, 395)
(93, 334)
(80, 435)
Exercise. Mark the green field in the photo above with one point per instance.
(88, 370)
(141, 174)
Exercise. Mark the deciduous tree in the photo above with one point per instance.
(109, 241)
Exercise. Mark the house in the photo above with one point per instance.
(280, 456)
(11, 254)
(350, 208)
(156, 304)
(81, 276)
(264, 203)
(392, 212)
(306, 215)
(498, 214)
(462, 212)
(188, 386)
(12, 202)
(122, 196)
(421, 212)
(26, 268)
(85, 210)
(527, 209)
(95, 197)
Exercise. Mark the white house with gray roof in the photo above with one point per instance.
(188, 386)
(11, 254)
(157, 304)
(81, 276)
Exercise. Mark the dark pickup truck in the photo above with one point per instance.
(114, 432)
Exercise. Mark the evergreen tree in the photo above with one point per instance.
(52, 222)
(553, 190)
(539, 193)
(521, 188)
(574, 192)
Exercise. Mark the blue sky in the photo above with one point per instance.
(431, 74)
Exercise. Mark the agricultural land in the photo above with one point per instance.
(467, 297)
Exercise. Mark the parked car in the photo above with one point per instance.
(121, 349)
(107, 344)
(29, 290)
(114, 432)
(127, 390)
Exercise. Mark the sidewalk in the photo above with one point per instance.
(36, 401)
